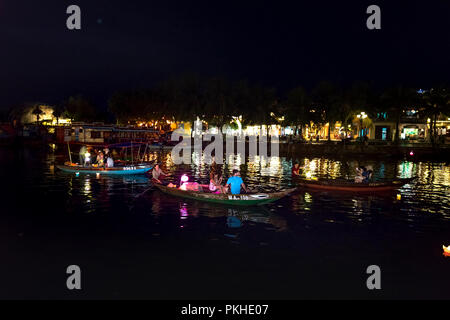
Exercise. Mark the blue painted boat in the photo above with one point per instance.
(129, 169)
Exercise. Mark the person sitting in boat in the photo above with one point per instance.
(158, 174)
(367, 174)
(235, 182)
(215, 183)
(359, 174)
(363, 175)
(296, 169)
(100, 159)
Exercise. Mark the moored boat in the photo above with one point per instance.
(129, 169)
(248, 199)
(348, 185)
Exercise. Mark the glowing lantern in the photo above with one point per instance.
(77, 174)
(399, 196)
(446, 251)
(411, 153)
(184, 179)
(308, 175)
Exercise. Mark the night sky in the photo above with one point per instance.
(133, 44)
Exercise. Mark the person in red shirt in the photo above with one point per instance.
(296, 169)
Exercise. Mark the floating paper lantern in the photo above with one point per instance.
(446, 251)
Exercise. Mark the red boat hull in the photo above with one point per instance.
(336, 185)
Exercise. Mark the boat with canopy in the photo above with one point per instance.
(121, 167)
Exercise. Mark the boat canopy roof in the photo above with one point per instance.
(116, 145)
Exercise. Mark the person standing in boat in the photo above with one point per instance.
(109, 162)
(158, 174)
(82, 153)
(235, 183)
(87, 158)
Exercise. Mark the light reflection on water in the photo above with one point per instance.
(424, 203)
(428, 194)
(316, 234)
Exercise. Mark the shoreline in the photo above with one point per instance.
(333, 149)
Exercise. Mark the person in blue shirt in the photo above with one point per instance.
(236, 182)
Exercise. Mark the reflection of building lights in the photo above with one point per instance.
(308, 197)
(87, 186)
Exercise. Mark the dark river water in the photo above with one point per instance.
(131, 241)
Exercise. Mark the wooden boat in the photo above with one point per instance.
(348, 185)
(248, 199)
(129, 169)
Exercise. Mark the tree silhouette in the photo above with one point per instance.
(296, 110)
(80, 108)
(37, 112)
(437, 102)
(394, 101)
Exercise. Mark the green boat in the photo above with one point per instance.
(248, 199)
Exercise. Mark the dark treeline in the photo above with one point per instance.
(217, 100)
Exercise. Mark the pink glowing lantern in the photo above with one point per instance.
(411, 153)
(184, 181)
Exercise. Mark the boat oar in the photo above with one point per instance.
(139, 195)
